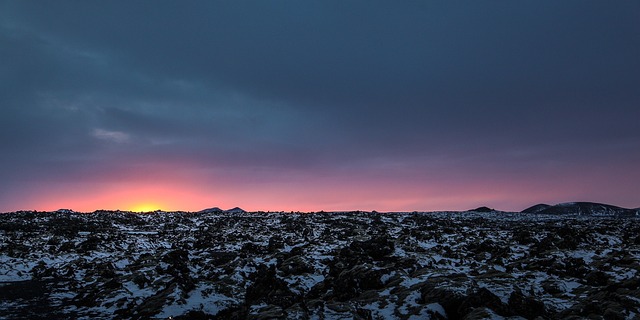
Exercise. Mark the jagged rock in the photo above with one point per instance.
(482, 297)
(153, 305)
(356, 265)
(552, 288)
(176, 257)
(267, 312)
(295, 266)
(352, 282)
(253, 249)
(219, 258)
(596, 278)
(41, 271)
(195, 315)
(525, 306)
(89, 245)
(376, 248)
(141, 280)
(468, 304)
(268, 288)
(480, 313)
(488, 246)
(235, 312)
(276, 243)
(523, 237)
(440, 290)
(23, 290)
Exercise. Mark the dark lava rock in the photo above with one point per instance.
(152, 305)
(489, 246)
(459, 305)
(195, 315)
(89, 245)
(449, 299)
(268, 288)
(482, 298)
(318, 266)
(295, 266)
(235, 312)
(351, 283)
(141, 280)
(602, 305)
(596, 278)
(23, 290)
(376, 248)
(572, 267)
(525, 306)
(251, 248)
(178, 261)
(34, 299)
(219, 258)
(523, 237)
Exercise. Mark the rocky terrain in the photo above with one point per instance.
(357, 265)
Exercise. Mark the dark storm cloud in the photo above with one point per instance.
(299, 84)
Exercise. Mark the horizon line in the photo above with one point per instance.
(481, 208)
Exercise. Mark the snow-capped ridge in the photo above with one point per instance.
(211, 210)
(536, 208)
(582, 208)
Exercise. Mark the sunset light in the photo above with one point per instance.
(319, 159)
(145, 207)
(271, 106)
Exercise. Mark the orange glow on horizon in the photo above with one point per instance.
(144, 207)
(168, 191)
(145, 197)
(135, 197)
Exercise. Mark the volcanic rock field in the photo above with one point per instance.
(337, 265)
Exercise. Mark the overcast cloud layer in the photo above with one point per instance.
(271, 105)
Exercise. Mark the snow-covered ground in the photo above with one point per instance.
(318, 266)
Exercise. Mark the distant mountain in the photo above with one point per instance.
(235, 210)
(211, 210)
(582, 208)
(535, 209)
(482, 209)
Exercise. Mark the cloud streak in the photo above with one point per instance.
(114, 136)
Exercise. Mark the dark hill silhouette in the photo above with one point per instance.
(583, 208)
(482, 209)
(211, 210)
(218, 210)
(537, 208)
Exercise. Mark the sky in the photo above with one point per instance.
(318, 105)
